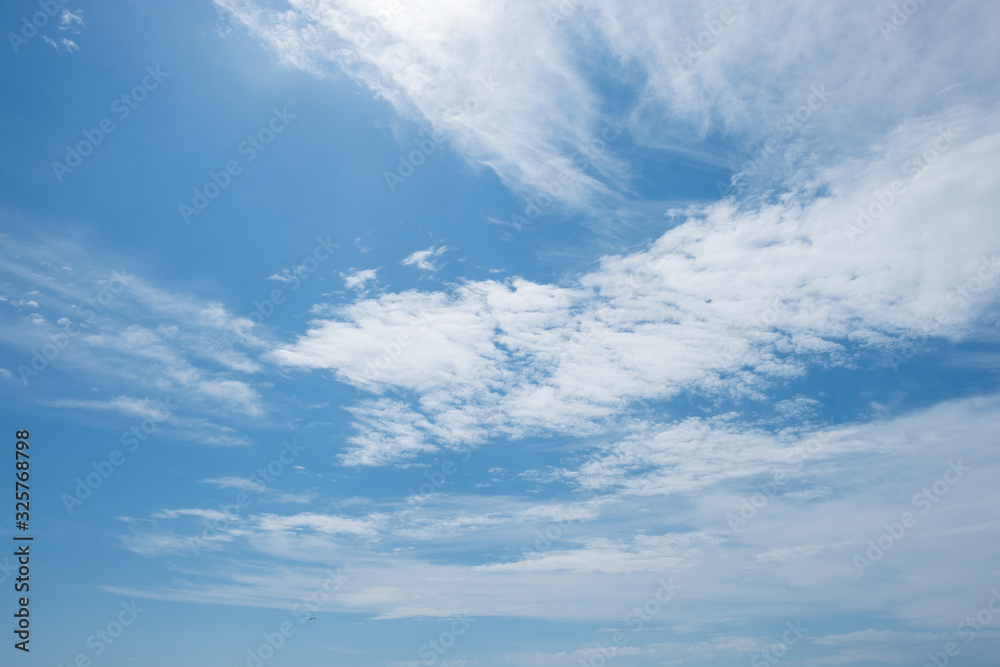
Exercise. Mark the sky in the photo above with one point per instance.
(501, 333)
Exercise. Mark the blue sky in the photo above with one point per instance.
(503, 333)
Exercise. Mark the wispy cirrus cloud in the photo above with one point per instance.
(103, 320)
(689, 86)
(542, 558)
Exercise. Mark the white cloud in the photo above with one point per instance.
(208, 515)
(615, 547)
(731, 300)
(424, 260)
(357, 280)
(320, 523)
(237, 483)
(144, 408)
(90, 315)
(466, 70)
(389, 431)
(651, 554)
(71, 20)
(157, 544)
(726, 303)
(541, 131)
(234, 393)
